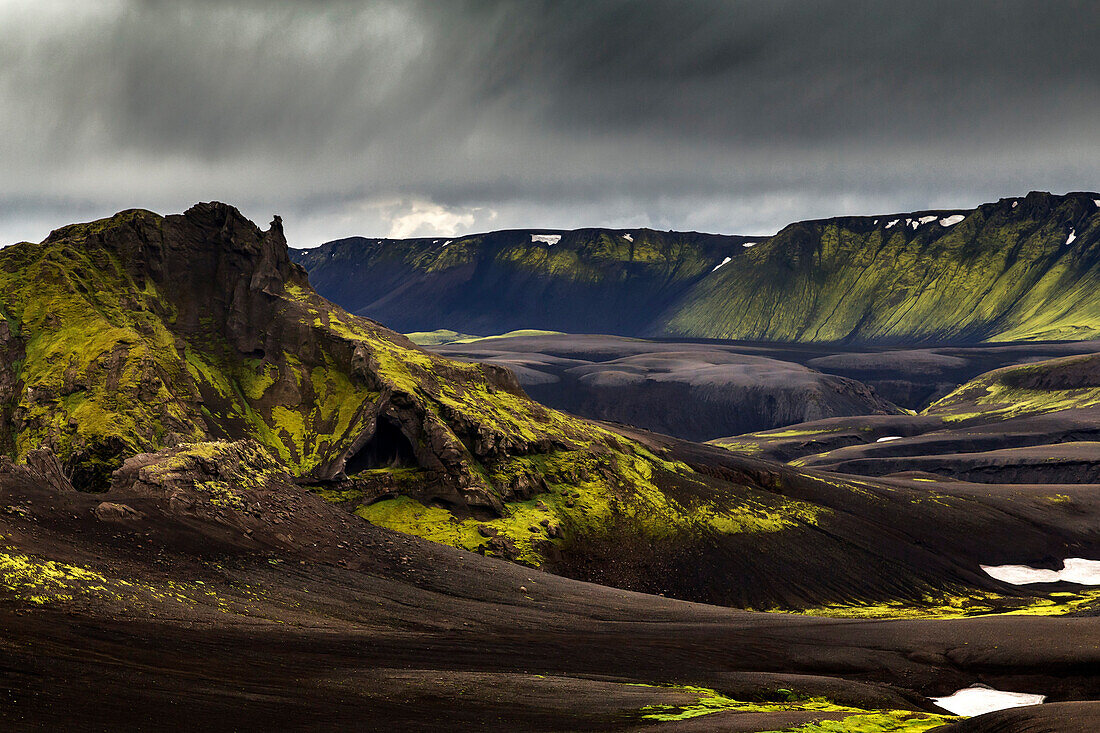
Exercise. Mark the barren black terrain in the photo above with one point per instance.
(194, 624)
(700, 390)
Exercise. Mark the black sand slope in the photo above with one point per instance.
(695, 391)
(351, 627)
(1068, 717)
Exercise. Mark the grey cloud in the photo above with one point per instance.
(731, 116)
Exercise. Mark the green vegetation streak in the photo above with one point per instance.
(854, 720)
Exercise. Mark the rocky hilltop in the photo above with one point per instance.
(142, 332)
(1018, 269)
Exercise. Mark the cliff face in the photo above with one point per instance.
(1018, 269)
(140, 331)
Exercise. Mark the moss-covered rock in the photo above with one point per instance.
(139, 332)
(1051, 385)
(142, 333)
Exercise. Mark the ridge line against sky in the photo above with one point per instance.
(420, 118)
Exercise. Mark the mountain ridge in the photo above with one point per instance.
(1018, 269)
(516, 279)
(1021, 268)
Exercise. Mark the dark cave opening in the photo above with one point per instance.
(387, 448)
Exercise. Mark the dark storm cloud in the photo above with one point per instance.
(408, 117)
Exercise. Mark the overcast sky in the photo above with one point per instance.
(420, 118)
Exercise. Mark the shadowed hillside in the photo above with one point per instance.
(588, 280)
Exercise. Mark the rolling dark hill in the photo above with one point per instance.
(1032, 423)
(702, 390)
(691, 390)
(1019, 269)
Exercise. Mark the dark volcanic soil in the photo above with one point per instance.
(166, 618)
(384, 632)
(693, 391)
(705, 390)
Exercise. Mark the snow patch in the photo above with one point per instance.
(749, 244)
(950, 221)
(723, 262)
(1097, 202)
(979, 699)
(447, 242)
(1074, 570)
(1015, 204)
(892, 222)
(925, 220)
(888, 438)
(1072, 236)
(628, 237)
(548, 239)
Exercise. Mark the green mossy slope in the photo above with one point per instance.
(1019, 269)
(838, 718)
(1050, 385)
(140, 331)
(589, 497)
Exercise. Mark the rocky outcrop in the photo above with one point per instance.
(109, 511)
(42, 467)
(141, 332)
